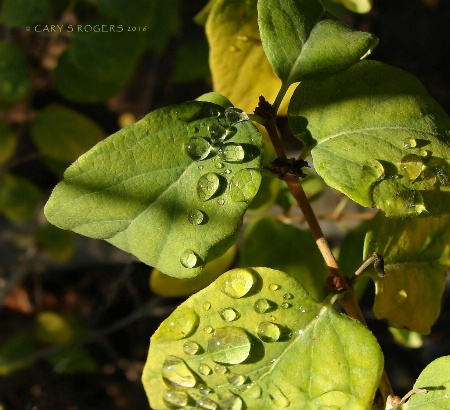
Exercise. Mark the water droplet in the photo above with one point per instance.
(229, 314)
(218, 133)
(274, 286)
(204, 369)
(288, 296)
(263, 306)
(191, 347)
(204, 390)
(268, 332)
(442, 170)
(227, 171)
(272, 318)
(206, 403)
(207, 185)
(411, 166)
(189, 259)
(425, 153)
(254, 391)
(230, 401)
(200, 167)
(175, 399)
(236, 379)
(229, 345)
(196, 217)
(277, 397)
(219, 369)
(219, 165)
(221, 201)
(177, 373)
(244, 185)
(235, 283)
(285, 305)
(401, 297)
(410, 143)
(197, 148)
(180, 324)
(192, 128)
(235, 115)
(207, 305)
(208, 329)
(231, 152)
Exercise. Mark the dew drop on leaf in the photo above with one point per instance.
(253, 391)
(221, 201)
(285, 305)
(235, 115)
(196, 217)
(200, 167)
(263, 306)
(274, 287)
(206, 403)
(218, 133)
(236, 379)
(204, 390)
(277, 397)
(180, 324)
(175, 399)
(288, 296)
(219, 369)
(189, 259)
(268, 332)
(244, 185)
(424, 153)
(229, 314)
(411, 166)
(219, 165)
(208, 329)
(190, 347)
(207, 305)
(177, 373)
(207, 185)
(204, 369)
(231, 402)
(410, 143)
(229, 345)
(235, 283)
(231, 152)
(227, 171)
(197, 148)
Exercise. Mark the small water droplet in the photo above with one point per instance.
(227, 171)
(207, 185)
(204, 390)
(219, 165)
(197, 148)
(268, 332)
(410, 143)
(221, 201)
(236, 379)
(189, 259)
(196, 217)
(231, 152)
(177, 373)
(229, 314)
(190, 347)
(274, 286)
(411, 166)
(192, 128)
(441, 168)
(219, 369)
(285, 305)
(425, 153)
(206, 403)
(229, 345)
(175, 399)
(235, 283)
(288, 296)
(208, 329)
(277, 397)
(200, 167)
(204, 369)
(235, 115)
(244, 185)
(207, 305)
(263, 306)
(218, 133)
(272, 318)
(254, 391)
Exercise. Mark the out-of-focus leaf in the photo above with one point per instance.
(191, 63)
(416, 256)
(357, 6)
(137, 14)
(21, 13)
(72, 360)
(253, 340)
(267, 194)
(412, 340)
(167, 286)
(280, 245)
(59, 244)
(15, 84)
(8, 142)
(52, 328)
(19, 197)
(14, 353)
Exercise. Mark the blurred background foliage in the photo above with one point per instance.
(76, 314)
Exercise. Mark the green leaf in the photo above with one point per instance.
(15, 84)
(252, 339)
(21, 13)
(416, 259)
(53, 328)
(412, 340)
(72, 360)
(378, 137)
(267, 194)
(8, 142)
(280, 245)
(294, 34)
(63, 134)
(191, 63)
(14, 352)
(138, 13)
(171, 189)
(357, 6)
(436, 379)
(19, 197)
(59, 244)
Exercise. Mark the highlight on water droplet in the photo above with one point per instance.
(277, 396)
(263, 306)
(189, 259)
(410, 143)
(244, 185)
(221, 201)
(177, 373)
(441, 168)
(229, 345)
(204, 370)
(207, 185)
(219, 369)
(236, 379)
(227, 171)
(197, 148)
(268, 332)
(175, 399)
(196, 217)
(229, 314)
(190, 347)
(288, 296)
(231, 152)
(204, 390)
(235, 115)
(207, 305)
(235, 283)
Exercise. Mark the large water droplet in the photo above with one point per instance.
(177, 373)
(235, 115)
(218, 133)
(206, 403)
(231, 152)
(263, 306)
(268, 332)
(442, 170)
(196, 217)
(244, 185)
(229, 345)
(253, 391)
(229, 314)
(189, 259)
(207, 185)
(191, 347)
(277, 397)
(231, 403)
(410, 143)
(175, 399)
(197, 148)
(411, 166)
(204, 369)
(236, 379)
(180, 324)
(235, 283)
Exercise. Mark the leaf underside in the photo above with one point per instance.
(171, 189)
